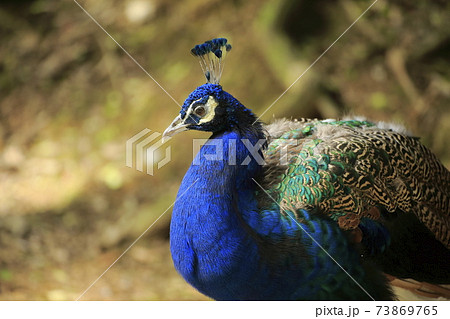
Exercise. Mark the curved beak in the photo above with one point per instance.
(175, 127)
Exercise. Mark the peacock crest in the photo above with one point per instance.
(211, 55)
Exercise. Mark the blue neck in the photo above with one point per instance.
(228, 248)
(209, 237)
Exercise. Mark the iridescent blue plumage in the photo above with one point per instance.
(228, 249)
(251, 225)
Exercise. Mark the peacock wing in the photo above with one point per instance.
(349, 169)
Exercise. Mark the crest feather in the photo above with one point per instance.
(211, 55)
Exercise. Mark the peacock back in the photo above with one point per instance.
(353, 169)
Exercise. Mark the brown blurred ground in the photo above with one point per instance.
(70, 98)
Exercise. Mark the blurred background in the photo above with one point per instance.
(70, 98)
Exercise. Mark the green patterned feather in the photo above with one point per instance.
(346, 169)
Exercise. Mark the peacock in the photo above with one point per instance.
(303, 209)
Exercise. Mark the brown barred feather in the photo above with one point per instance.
(381, 167)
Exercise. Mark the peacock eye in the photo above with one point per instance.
(200, 111)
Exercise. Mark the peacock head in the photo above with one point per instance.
(209, 107)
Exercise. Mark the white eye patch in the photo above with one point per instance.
(209, 107)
